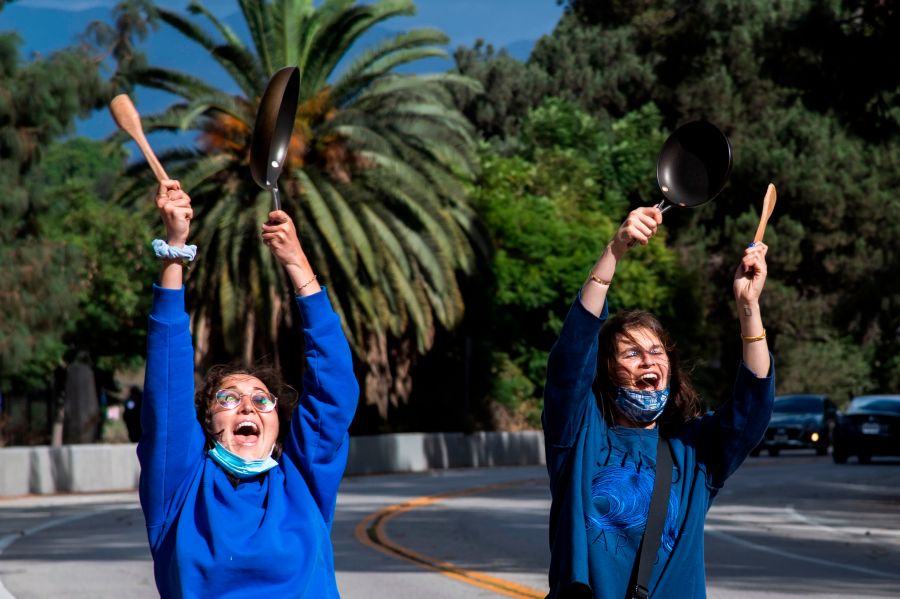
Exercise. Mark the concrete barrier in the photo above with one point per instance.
(44, 470)
(418, 452)
(92, 468)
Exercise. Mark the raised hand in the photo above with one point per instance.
(175, 210)
(639, 227)
(750, 276)
(280, 235)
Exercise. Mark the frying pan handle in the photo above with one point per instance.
(276, 198)
(662, 209)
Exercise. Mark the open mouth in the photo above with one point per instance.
(246, 433)
(647, 381)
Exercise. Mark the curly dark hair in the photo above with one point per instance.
(684, 402)
(271, 378)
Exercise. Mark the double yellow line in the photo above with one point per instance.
(371, 532)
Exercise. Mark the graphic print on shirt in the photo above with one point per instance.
(621, 500)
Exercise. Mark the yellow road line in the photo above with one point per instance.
(371, 532)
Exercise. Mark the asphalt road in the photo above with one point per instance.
(792, 526)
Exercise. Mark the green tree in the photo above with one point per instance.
(510, 89)
(39, 101)
(115, 267)
(374, 177)
(550, 211)
(784, 82)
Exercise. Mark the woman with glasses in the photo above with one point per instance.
(614, 386)
(237, 486)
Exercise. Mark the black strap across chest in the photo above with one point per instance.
(656, 520)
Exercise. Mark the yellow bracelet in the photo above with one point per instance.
(306, 284)
(756, 338)
(598, 280)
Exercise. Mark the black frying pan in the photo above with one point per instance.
(693, 165)
(272, 130)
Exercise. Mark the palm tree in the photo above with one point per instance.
(375, 179)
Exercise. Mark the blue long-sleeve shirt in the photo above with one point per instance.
(601, 476)
(270, 535)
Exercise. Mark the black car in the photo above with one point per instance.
(869, 427)
(800, 422)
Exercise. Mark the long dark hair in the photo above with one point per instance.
(205, 398)
(683, 404)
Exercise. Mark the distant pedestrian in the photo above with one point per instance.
(132, 413)
(238, 488)
(614, 385)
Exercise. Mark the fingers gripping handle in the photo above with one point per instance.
(127, 118)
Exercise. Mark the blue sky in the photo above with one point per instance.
(47, 25)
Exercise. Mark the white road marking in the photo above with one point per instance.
(9, 539)
(727, 522)
(714, 531)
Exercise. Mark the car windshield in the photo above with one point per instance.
(798, 404)
(875, 404)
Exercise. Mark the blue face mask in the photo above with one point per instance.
(642, 407)
(238, 466)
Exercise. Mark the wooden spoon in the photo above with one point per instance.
(768, 207)
(127, 118)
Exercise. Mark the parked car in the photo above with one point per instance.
(869, 427)
(800, 422)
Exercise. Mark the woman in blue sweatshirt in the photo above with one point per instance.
(611, 390)
(238, 488)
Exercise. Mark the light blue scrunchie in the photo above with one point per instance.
(164, 250)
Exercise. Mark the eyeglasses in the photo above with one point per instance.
(231, 398)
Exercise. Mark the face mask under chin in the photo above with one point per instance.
(238, 466)
(641, 407)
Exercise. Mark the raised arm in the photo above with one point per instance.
(280, 234)
(749, 279)
(172, 441)
(318, 443)
(639, 227)
(572, 363)
(726, 438)
(175, 209)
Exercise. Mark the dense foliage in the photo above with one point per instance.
(43, 283)
(550, 210)
(786, 84)
(468, 253)
(374, 178)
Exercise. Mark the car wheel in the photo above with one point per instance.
(839, 457)
(864, 459)
(774, 451)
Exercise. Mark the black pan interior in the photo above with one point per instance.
(694, 164)
(273, 127)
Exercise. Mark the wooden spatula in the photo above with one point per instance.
(127, 118)
(768, 207)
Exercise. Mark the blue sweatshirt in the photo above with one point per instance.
(269, 536)
(601, 476)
